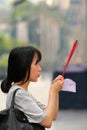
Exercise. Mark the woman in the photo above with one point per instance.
(23, 68)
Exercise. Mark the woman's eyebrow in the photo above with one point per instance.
(37, 60)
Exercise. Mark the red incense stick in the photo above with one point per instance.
(70, 55)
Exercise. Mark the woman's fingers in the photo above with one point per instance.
(58, 83)
(60, 77)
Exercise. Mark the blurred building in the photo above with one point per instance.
(48, 30)
(76, 17)
(4, 20)
(22, 31)
(49, 39)
(61, 3)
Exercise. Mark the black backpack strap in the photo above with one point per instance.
(12, 102)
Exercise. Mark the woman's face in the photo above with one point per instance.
(35, 69)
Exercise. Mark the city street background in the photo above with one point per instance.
(52, 26)
(68, 119)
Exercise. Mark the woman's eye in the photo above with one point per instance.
(37, 62)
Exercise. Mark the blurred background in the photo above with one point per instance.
(52, 26)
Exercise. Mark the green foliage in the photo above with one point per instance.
(3, 60)
(6, 45)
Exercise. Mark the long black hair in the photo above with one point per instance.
(19, 64)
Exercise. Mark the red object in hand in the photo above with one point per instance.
(70, 55)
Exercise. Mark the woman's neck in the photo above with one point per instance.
(25, 85)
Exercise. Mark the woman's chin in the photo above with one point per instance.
(35, 80)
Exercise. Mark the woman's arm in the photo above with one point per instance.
(53, 102)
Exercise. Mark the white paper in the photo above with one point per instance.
(69, 85)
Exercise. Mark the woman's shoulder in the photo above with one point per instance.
(18, 88)
(20, 93)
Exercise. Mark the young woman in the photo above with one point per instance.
(23, 68)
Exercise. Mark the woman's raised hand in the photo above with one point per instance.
(57, 83)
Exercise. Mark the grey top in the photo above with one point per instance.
(24, 101)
